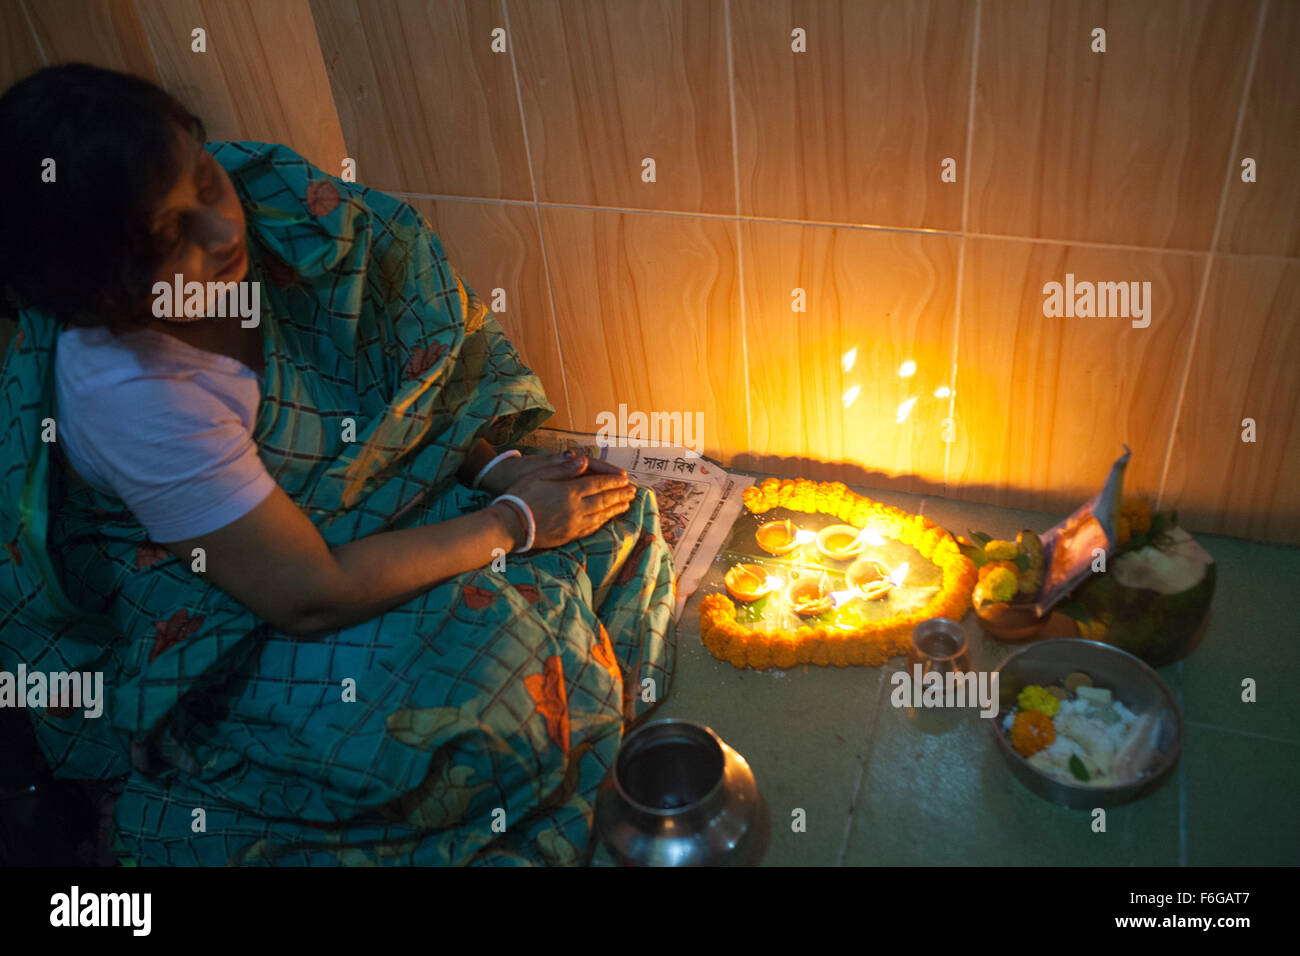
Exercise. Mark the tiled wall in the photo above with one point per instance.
(821, 171)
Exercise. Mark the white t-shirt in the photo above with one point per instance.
(162, 425)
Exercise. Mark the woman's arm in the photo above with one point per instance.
(480, 455)
(275, 562)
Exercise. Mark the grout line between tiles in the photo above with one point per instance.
(1245, 733)
(856, 226)
(1214, 244)
(40, 47)
(537, 213)
(1182, 785)
(873, 727)
(740, 249)
(951, 422)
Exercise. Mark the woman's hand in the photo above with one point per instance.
(510, 471)
(568, 504)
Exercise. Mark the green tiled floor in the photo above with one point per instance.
(876, 790)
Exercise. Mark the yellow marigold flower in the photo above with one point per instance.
(1033, 697)
(1001, 550)
(737, 655)
(929, 540)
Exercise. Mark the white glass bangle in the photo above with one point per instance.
(512, 453)
(528, 515)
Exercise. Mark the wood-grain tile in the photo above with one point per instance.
(107, 33)
(1128, 146)
(607, 85)
(262, 77)
(882, 298)
(648, 311)
(1044, 405)
(425, 104)
(1264, 216)
(856, 129)
(1244, 366)
(496, 246)
(20, 52)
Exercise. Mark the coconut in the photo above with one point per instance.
(1152, 601)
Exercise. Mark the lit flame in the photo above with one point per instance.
(904, 410)
(804, 536)
(839, 597)
(943, 391)
(773, 582)
(871, 536)
(850, 395)
(849, 357)
(907, 369)
(896, 576)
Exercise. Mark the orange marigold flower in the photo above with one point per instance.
(821, 653)
(759, 656)
(717, 641)
(876, 656)
(785, 651)
(1032, 731)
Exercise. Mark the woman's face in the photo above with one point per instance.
(199, 225)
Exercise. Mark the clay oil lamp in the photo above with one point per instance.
(839, 542)
(809, 596)
(777, 537)
(749, 582)
(872, 580)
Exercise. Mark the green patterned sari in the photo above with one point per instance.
(470, 725)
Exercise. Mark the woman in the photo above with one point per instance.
(322, 638)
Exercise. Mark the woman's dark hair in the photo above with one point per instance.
(79, 248)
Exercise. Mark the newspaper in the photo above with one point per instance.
(698, 500)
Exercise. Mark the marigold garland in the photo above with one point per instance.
(869, 645)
